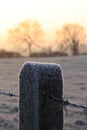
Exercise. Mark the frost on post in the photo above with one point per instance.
(38, 111)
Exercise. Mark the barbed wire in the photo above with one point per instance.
(68, 103)
(9, 94)
(64, 102)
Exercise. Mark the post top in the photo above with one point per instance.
(39, 65)
(40, 68)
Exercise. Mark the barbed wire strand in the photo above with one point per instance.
(64, 102)
(9, 94)
(67, 103)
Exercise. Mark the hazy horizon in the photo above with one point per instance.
(51, 14)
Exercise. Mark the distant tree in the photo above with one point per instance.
(28, 32)
(59, 42)
(72, 37)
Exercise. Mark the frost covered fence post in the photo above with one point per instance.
(37, 111)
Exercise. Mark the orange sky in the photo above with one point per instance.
(52, 14)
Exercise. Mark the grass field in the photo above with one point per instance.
(75, 90)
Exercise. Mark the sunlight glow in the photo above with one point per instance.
(50, 13)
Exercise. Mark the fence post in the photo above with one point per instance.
(37, 111)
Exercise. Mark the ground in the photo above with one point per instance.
(75, 90)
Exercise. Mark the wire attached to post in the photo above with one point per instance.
(51, 96)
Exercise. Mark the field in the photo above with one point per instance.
(75, 90)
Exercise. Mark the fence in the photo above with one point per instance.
(41, 97)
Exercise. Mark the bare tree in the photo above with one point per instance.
(28, 32)
(72, 37)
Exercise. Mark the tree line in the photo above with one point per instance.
(30, 33)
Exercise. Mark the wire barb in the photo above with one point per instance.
(9, 94)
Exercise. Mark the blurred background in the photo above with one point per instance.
(43, 28)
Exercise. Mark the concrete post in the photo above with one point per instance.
(37, 110)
